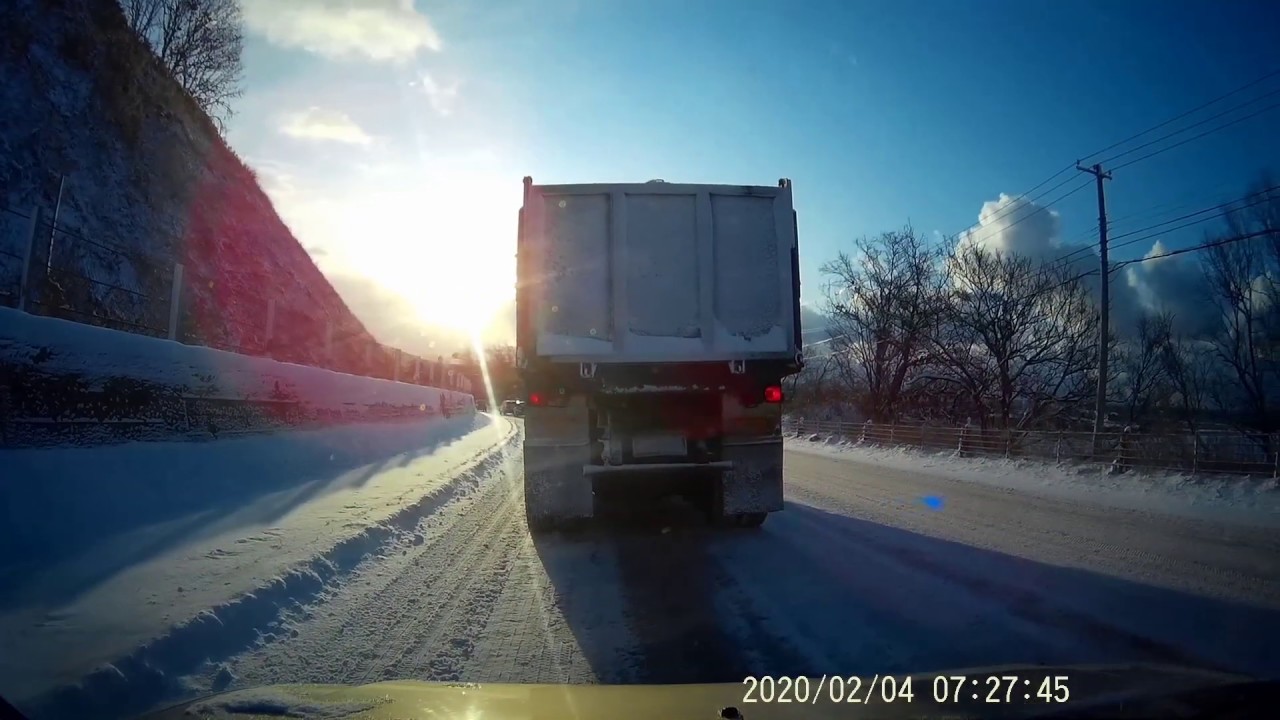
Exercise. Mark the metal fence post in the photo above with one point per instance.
(175, 299)
(28, 253)
(28, 256)
(1275, 468)
(53, 226)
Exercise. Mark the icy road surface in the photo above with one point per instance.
(870, 569)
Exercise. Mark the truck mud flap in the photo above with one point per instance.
(555, 490)
(556, 447)
(754, 484)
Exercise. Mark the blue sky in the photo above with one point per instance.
(393, 136)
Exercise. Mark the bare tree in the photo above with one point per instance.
(810, 388)
(1017, 342)
(1143, 367)
(1191, 367)
(1244, 282)
(200, 42)
(884, 302)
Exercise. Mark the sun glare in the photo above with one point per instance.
(447, 246)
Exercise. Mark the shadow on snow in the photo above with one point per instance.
(126, 503)
(816, 593)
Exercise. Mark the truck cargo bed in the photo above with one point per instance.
(657, 272)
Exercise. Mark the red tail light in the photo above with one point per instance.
(536, 399)
(773, 394)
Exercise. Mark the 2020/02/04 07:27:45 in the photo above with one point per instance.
(894, 689)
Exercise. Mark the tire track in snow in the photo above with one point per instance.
(401, 599)
(561, 619)
(690, 618)
(436, 644)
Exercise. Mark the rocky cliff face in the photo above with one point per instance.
(146, 182)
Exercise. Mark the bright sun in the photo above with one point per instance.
(447, 246)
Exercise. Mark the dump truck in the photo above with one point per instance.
(655, 323)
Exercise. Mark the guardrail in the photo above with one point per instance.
(194, 418)
(1214, 451)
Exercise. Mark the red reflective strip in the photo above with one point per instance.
(773, 394)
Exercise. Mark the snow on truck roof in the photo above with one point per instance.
(667, 187)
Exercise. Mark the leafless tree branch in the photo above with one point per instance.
(200, 42)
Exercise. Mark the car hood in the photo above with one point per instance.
(410, 700)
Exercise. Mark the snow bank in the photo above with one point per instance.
(66, 498)
(1231, 499)
(127, 566)
(60, 347)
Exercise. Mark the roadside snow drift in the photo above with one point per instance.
(121, 564)
(1232, 499)
(63, 348)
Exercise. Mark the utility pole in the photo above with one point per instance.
(1104, 308)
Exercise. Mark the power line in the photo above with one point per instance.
(1010, 209)
(1225, 192)
(1084, 242)
(1221, 206)
(1080, 276)
(1197, 136)
(1197, 248)
(1063, 261)
(1039, 209)
(1192, 111)
(1211, 118)
(1260, 198)
(1165, 123)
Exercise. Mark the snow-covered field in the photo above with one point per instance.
(1247, 500)
(419, 565)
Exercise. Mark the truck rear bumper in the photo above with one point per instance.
(593, 470)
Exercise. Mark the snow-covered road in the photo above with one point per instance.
(869, 569)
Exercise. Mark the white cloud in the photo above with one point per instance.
(442, 96)
(1175, 285)
(318, 124)
(1019, 226)
(379, 30)
(1016, 225)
